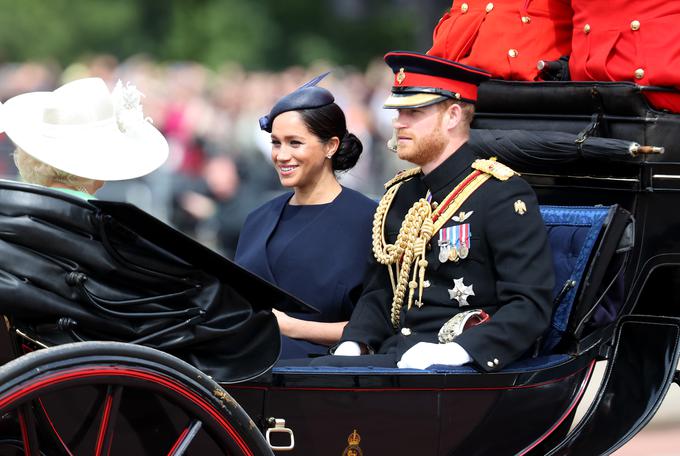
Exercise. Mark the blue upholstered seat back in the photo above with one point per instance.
(572, 233)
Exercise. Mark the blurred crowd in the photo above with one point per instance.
(219, 167)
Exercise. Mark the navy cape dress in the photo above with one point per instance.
(318, 253)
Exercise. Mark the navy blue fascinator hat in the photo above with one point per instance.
(307, 96)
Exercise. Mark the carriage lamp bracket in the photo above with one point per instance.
(278, 426)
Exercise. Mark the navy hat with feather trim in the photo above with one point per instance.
(307, 96)
(421, 80)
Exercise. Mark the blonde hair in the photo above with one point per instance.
(34, 171)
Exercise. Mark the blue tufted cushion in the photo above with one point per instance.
(572, 233)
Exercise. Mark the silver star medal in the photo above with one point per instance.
(461, 292)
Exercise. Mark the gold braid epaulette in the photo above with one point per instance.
(497, 170)
(402, 176)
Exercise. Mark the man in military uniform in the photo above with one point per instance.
(456, 241)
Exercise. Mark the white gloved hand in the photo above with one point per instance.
(424, 354)
(348, 348)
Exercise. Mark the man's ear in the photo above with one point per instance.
(452, 116)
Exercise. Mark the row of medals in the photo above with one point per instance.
(453, 253)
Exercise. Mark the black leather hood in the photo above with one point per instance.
(73, 269)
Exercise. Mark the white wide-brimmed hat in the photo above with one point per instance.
(85, 130)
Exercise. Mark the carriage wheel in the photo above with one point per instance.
(109, 398)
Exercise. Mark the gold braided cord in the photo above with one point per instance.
(415, 232)
(410, 243)
(459, 200)
(402, 176)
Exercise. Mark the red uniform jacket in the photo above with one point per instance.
(505, 37)
(623, 40)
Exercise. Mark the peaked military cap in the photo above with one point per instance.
(421, 80)
(307, 96)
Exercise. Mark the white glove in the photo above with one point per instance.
(424, 354)
(348, 348)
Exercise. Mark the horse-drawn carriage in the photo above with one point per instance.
(74, 271)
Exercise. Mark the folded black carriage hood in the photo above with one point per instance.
(260, 293)
(72, 269)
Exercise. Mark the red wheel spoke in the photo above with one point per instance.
(29, 434)
(54, 429)
(185, 438)
(107, 424)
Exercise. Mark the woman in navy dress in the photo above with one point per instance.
(314, 242)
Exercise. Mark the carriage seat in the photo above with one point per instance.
(583, 240)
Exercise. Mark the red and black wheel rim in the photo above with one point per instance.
(107, 399)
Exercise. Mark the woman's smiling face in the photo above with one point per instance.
(298, 155)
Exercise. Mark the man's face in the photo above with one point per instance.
(420, 134)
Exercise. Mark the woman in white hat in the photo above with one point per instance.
(81, 135)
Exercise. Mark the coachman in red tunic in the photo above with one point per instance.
(505, 37)
(622, 40)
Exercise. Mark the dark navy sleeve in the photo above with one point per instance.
(371, 323)
(519, 247)
(243, 241)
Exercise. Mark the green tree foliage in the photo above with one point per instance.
(61, 29)
(269, 34)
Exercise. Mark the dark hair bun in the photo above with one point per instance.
(348, 153)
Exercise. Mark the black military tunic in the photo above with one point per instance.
(508, 268)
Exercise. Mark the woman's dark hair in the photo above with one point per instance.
(328, 121)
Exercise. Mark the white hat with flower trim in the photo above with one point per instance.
(84, 129)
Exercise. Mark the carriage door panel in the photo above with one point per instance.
(386, 421)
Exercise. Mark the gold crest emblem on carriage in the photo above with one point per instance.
(353, 448)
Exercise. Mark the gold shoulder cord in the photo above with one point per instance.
(415, 232)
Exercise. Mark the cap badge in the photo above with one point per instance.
(401, 76)
(520, 207)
